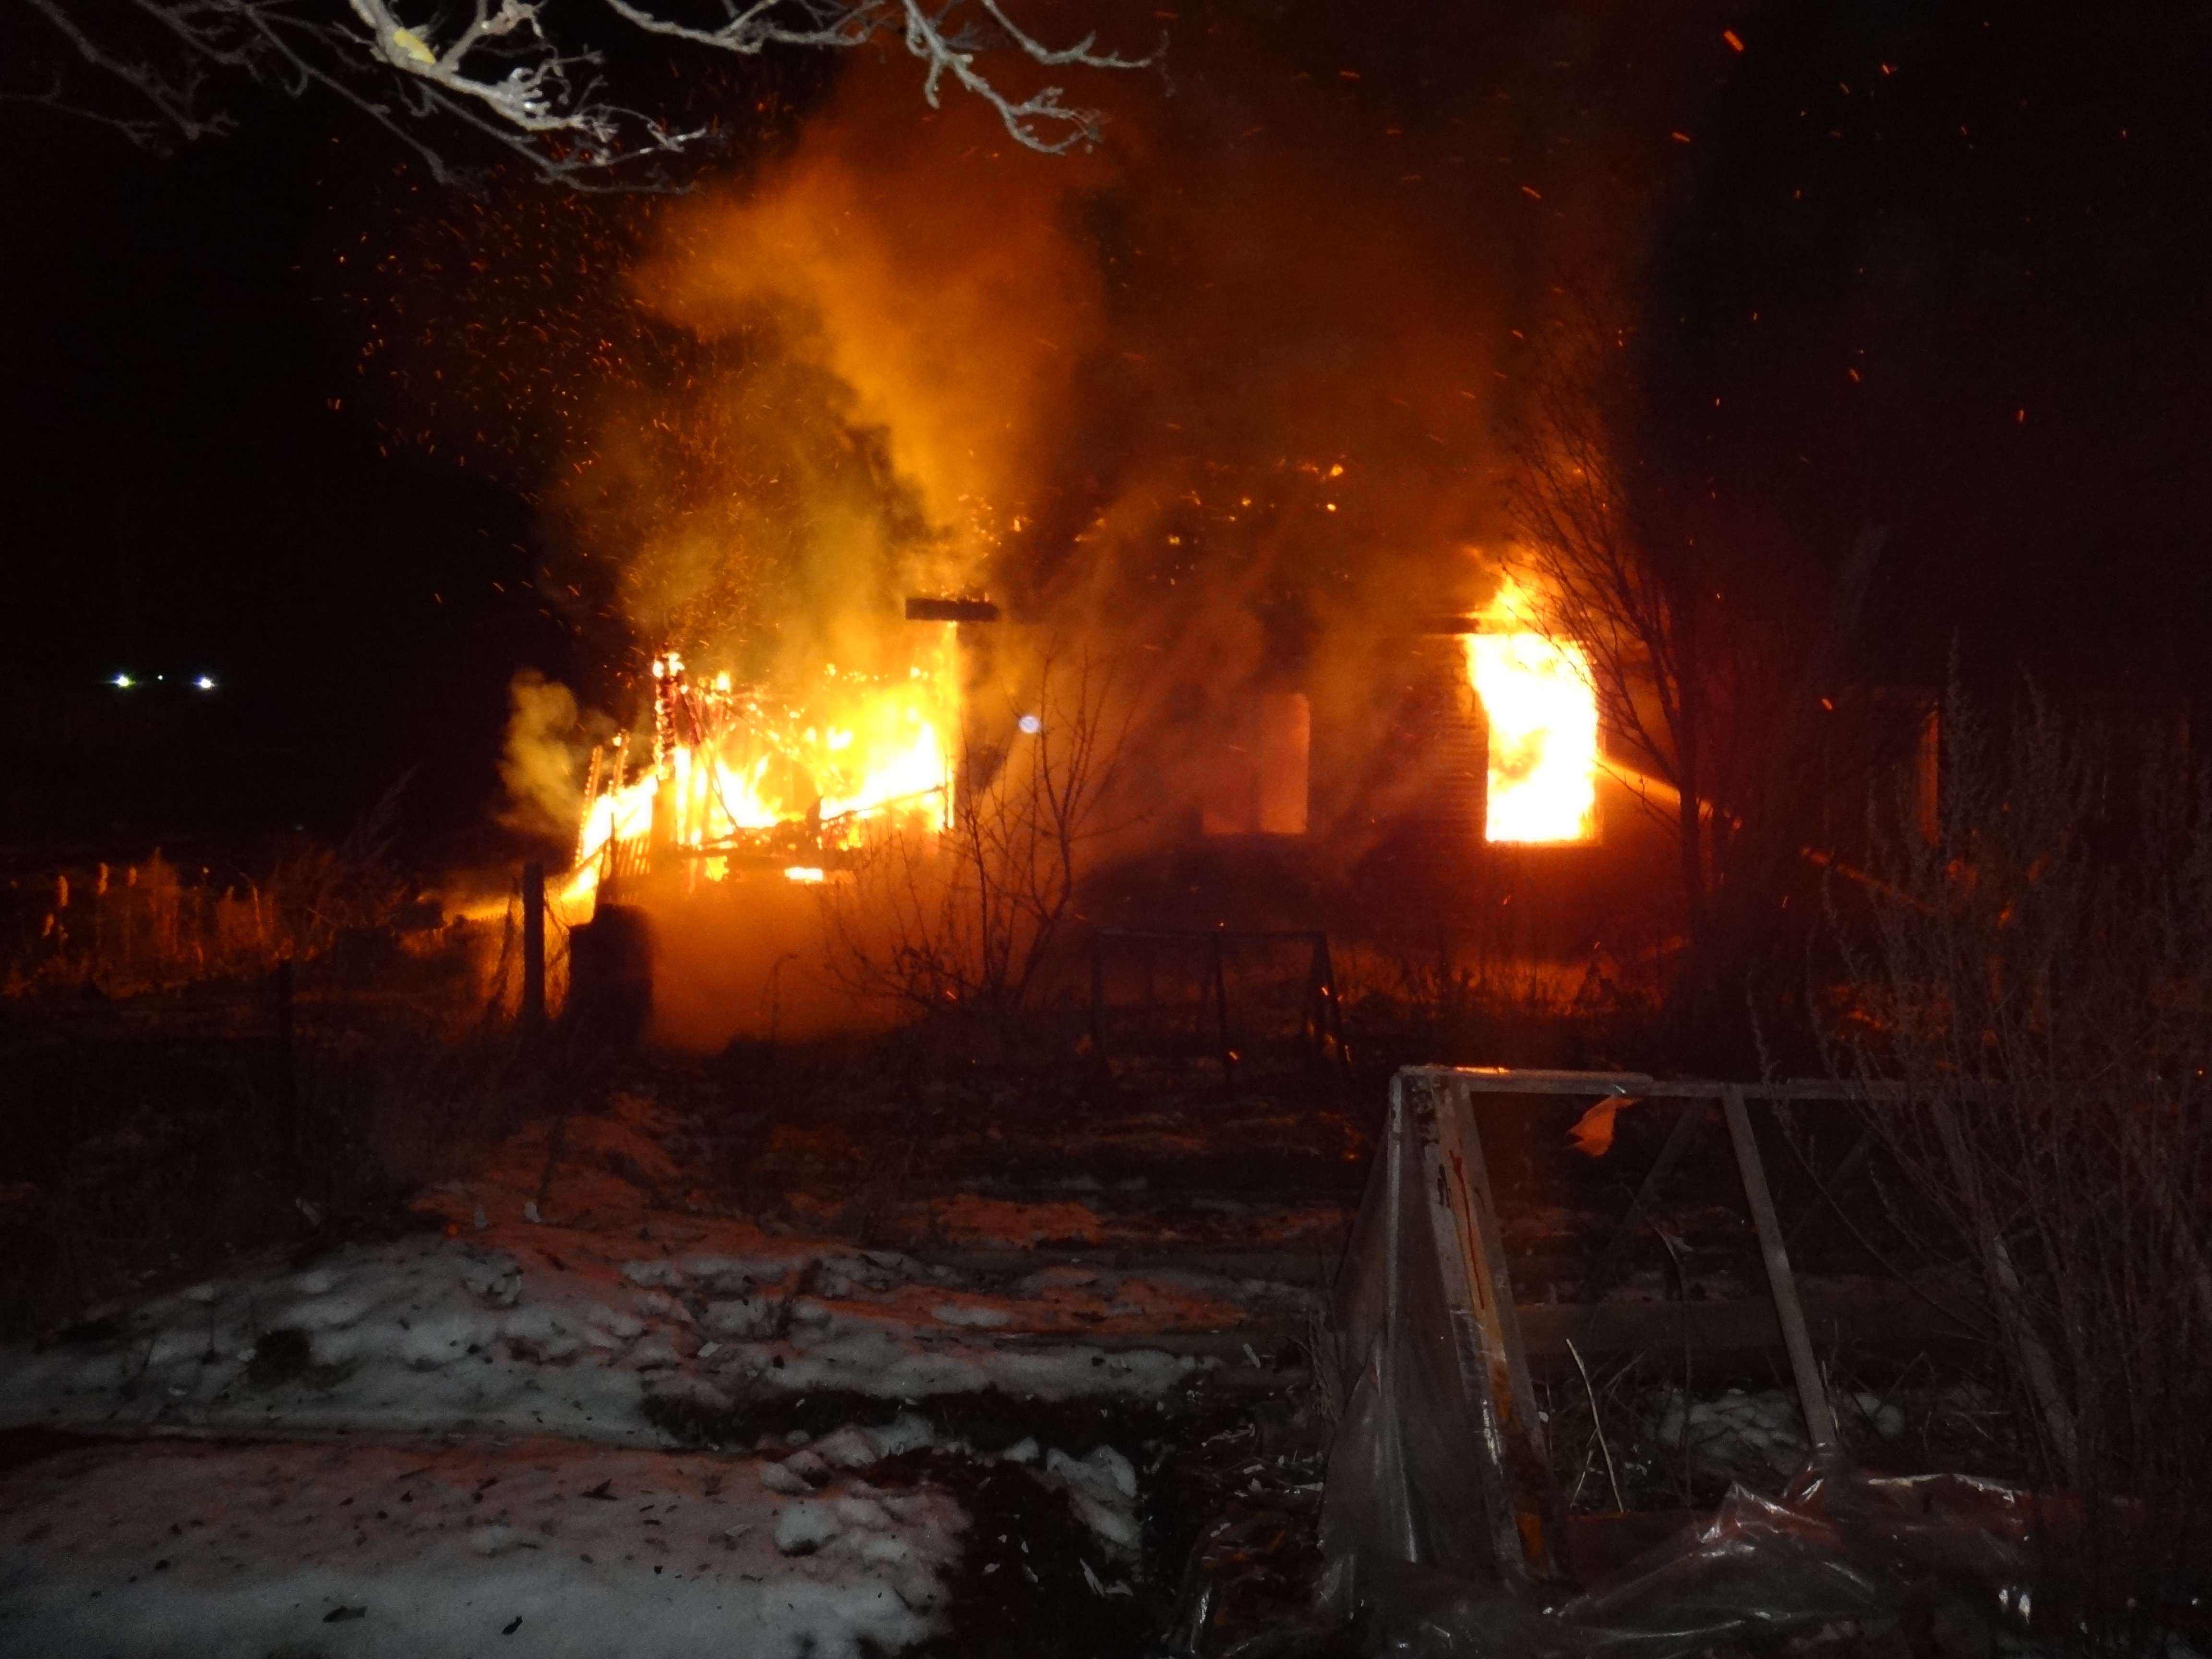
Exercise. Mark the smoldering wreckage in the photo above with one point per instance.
(1215, 1335)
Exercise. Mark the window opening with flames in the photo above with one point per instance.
(1541, 699)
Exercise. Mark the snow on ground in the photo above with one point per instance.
(1758, 1437)
(563, 1335)
(1738, 1437)
(572, 1323)
(405, 1446)
(185, 1549)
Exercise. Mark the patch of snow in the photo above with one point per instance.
(1873, 1414)
(803, 1528)
(848, 1449)
(185, 1550)
(1102, 1489)
(1737, 1437)
(778, 1477)
(807, 1463)
(559, 1333)
(974, 1312)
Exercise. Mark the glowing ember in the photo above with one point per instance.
(1542, 708)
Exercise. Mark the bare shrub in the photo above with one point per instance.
(1708, 656)
(192, 1065)
(2038, 980)
(967, 925)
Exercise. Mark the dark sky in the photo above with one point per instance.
(185, 487)
(1938, 268)
(1974, 239)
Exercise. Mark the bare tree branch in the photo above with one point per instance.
(153, 136)
(498, 73)
(174, 96)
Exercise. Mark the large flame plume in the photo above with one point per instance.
(861, 427)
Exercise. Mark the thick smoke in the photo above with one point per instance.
(537, 763)
(1225, 408)
(1222, 407)
(887, 329)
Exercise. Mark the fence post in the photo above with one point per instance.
(533, 944)
(1221, 1009)
(1097, 998)
(288, 1098)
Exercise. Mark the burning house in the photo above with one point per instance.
(734, 780)
(726, 814)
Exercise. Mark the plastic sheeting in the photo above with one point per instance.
(1837, 1548)
(1438, 1462)
(1438, 1531)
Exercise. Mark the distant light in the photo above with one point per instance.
(804, 874)
(1030, 724)
(123, 682)
(205, 682)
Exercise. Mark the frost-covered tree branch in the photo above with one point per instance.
(498, 72)
(1042, 121)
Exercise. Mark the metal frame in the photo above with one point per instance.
(1522, 1508)
(1432, 1115)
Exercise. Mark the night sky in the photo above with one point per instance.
(1938, 269)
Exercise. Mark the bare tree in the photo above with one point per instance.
(1708, 659)
(968, 925)
(499, 73)
(2040, 981)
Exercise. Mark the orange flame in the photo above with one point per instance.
(1541, 702)
(747, 776)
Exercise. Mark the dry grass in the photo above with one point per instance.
(125, 927)
(192, 1065)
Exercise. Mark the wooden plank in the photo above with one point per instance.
(1464, 1290)
(1781, 1283)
